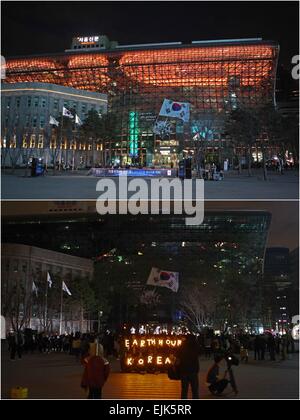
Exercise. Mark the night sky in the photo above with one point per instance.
(48, 27)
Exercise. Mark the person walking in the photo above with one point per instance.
(95, 375)
(188, 366)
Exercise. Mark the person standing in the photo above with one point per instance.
(12, 346)
(95, 375)
(272, 347)
(188, 366)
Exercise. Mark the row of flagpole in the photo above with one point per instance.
(65, 113)
(64, 288)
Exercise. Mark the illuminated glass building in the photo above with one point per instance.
(213, 76)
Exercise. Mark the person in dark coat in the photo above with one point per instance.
(216, 384)
(188, 366)
(272, 347)
(33, 166)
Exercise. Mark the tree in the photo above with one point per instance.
(203, 128)
(199, 304)
(17, 300)
(99, 129)
(243, 126)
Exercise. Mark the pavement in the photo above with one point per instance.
(57, 376)
(80, 186)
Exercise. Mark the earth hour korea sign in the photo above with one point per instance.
(149, 352)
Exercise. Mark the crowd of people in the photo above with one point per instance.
(94, 350)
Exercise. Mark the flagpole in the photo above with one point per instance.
(46, 302)
(61, 139)
(61, 309)
(74, 143)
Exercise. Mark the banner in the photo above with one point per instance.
(173, 109)
(163, 278)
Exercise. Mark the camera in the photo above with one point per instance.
(231, 360)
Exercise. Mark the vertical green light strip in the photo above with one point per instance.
(133, 133)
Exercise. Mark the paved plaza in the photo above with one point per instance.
(58, 376)
(80, 186)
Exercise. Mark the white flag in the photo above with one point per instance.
(49, 280)
(65, 288)
(77, 120)
(162, 278)
(173, 109)
(53, 121)
(67, 113)
(34, 288)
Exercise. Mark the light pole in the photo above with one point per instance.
(100, 313)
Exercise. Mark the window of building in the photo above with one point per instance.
(18, 101)
(41, 141)
(66, 104)
(7, 103)
(53, 143)
(29, 101)
(32, 141)
(43, 102)
(63, 145)
(34, 121)
(3, 143)
(27, 120)
(13, 142)
(16, 120)
(55, 104)
(83, 108)
(36, 101)
(24, 142)
(73, 145)
(15, 265)
(42, 121)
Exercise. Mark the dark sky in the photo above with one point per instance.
(41, 27)
(284, 229)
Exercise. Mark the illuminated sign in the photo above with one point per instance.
(134, 172)
(133, 133)
(87, 39)
(148, 352)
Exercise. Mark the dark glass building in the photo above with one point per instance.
(227, 249)
(213, 76)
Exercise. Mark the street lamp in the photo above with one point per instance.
(100, 313)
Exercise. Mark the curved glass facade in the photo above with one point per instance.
(213, 77)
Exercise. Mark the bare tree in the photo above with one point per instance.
(203, 127)
(199, 304)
